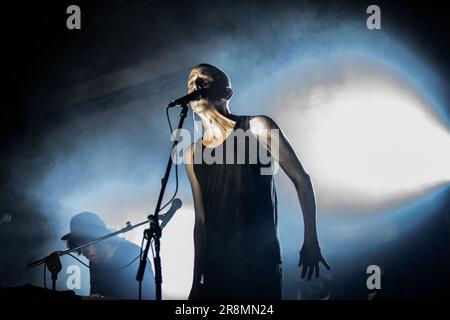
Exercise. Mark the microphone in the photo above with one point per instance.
(194, 95)
(6, 218)
(165, 218)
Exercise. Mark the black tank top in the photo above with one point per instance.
(240, 207)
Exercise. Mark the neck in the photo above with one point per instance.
(216, 123)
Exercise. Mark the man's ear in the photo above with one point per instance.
(228, 93)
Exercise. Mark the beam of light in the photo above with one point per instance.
(367, 138)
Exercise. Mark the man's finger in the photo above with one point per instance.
(325, 263)
(305, 268)
(310, 273)
(301, 260)
(316, 268)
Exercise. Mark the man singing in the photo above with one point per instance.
(237, 252)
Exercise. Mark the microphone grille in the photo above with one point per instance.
(177, 203)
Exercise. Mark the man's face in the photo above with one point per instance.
(199, 78)
(92, 253)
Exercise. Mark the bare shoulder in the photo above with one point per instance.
(261, 122)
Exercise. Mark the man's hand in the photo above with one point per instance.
(310, 257)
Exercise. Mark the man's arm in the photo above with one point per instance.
(199, 227)
(284, 154)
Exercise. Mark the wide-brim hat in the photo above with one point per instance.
(86, 225)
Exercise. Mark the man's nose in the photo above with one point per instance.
(199, 83)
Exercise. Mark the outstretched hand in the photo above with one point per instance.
(310, 257)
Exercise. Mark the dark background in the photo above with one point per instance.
(41, 56)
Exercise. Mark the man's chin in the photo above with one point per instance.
(200, 106)
(197, 108)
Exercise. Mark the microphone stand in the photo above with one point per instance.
(154, 231)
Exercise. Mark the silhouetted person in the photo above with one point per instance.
(113, 263)
(237, 252)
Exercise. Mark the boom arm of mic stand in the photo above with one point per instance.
(155, 230)
(127, 228)
(53, 263)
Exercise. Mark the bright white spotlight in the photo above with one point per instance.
(368, 138)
